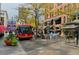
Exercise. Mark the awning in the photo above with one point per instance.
(70, 27)
(75, 21)
(48, 20)
(54, 18)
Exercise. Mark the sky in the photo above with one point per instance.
(11, 9)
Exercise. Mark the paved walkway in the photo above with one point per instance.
(51, 48)
(58, 48)
(11, 50)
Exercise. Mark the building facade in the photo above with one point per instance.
(56, 13)
(60, 13)
(3, 17)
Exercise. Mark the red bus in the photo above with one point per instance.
(2, 27)
(2, 30)
(24, 31)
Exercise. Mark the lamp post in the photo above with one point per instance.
(36, 18)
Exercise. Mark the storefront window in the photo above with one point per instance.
(57, 27)
(51, 22)
(58, 21)
(1, 20)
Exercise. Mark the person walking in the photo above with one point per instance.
(45, 33)
(51, 35)
(77, 36)
(48, 32)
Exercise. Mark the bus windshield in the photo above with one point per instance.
(25, 29)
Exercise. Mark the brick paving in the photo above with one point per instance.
(40, 47)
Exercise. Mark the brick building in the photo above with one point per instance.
(59, 13)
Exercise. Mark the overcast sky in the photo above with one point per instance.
(11, 8)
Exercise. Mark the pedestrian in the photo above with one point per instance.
(41, 34)
(48, 32)
(45, 33)
(34, 33)
(55, 35)
(10, 32)
(51, 35)
(6, 34)
(77, 36)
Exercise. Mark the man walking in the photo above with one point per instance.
(77, 36)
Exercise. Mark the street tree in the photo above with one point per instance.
(23, 12)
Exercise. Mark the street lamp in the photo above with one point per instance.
(36, 18)
(35, 12)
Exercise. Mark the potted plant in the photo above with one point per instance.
(14, 41)
(8, 40)
(11, 40)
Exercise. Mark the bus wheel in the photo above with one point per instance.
(31, 38)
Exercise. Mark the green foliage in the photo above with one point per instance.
(13, 39)
(10, 36)
(23, 12)
(70, 12)
(32, 21)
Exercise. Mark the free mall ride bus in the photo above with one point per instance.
(24, 31)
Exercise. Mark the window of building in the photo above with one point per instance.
(1, 20)
(58, 21)
(51, 22)
(57, 28)
(78, 17)
(1, 13)
(52, 28)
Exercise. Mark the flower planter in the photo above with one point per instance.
(11, 40)
(8, 42)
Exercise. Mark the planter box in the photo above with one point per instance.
(8, 42)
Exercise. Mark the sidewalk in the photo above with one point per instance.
(19, 51)
(49, 47)
(58, 48)
(11, 50)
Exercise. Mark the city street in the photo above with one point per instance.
(56, 21)
(40, 47)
